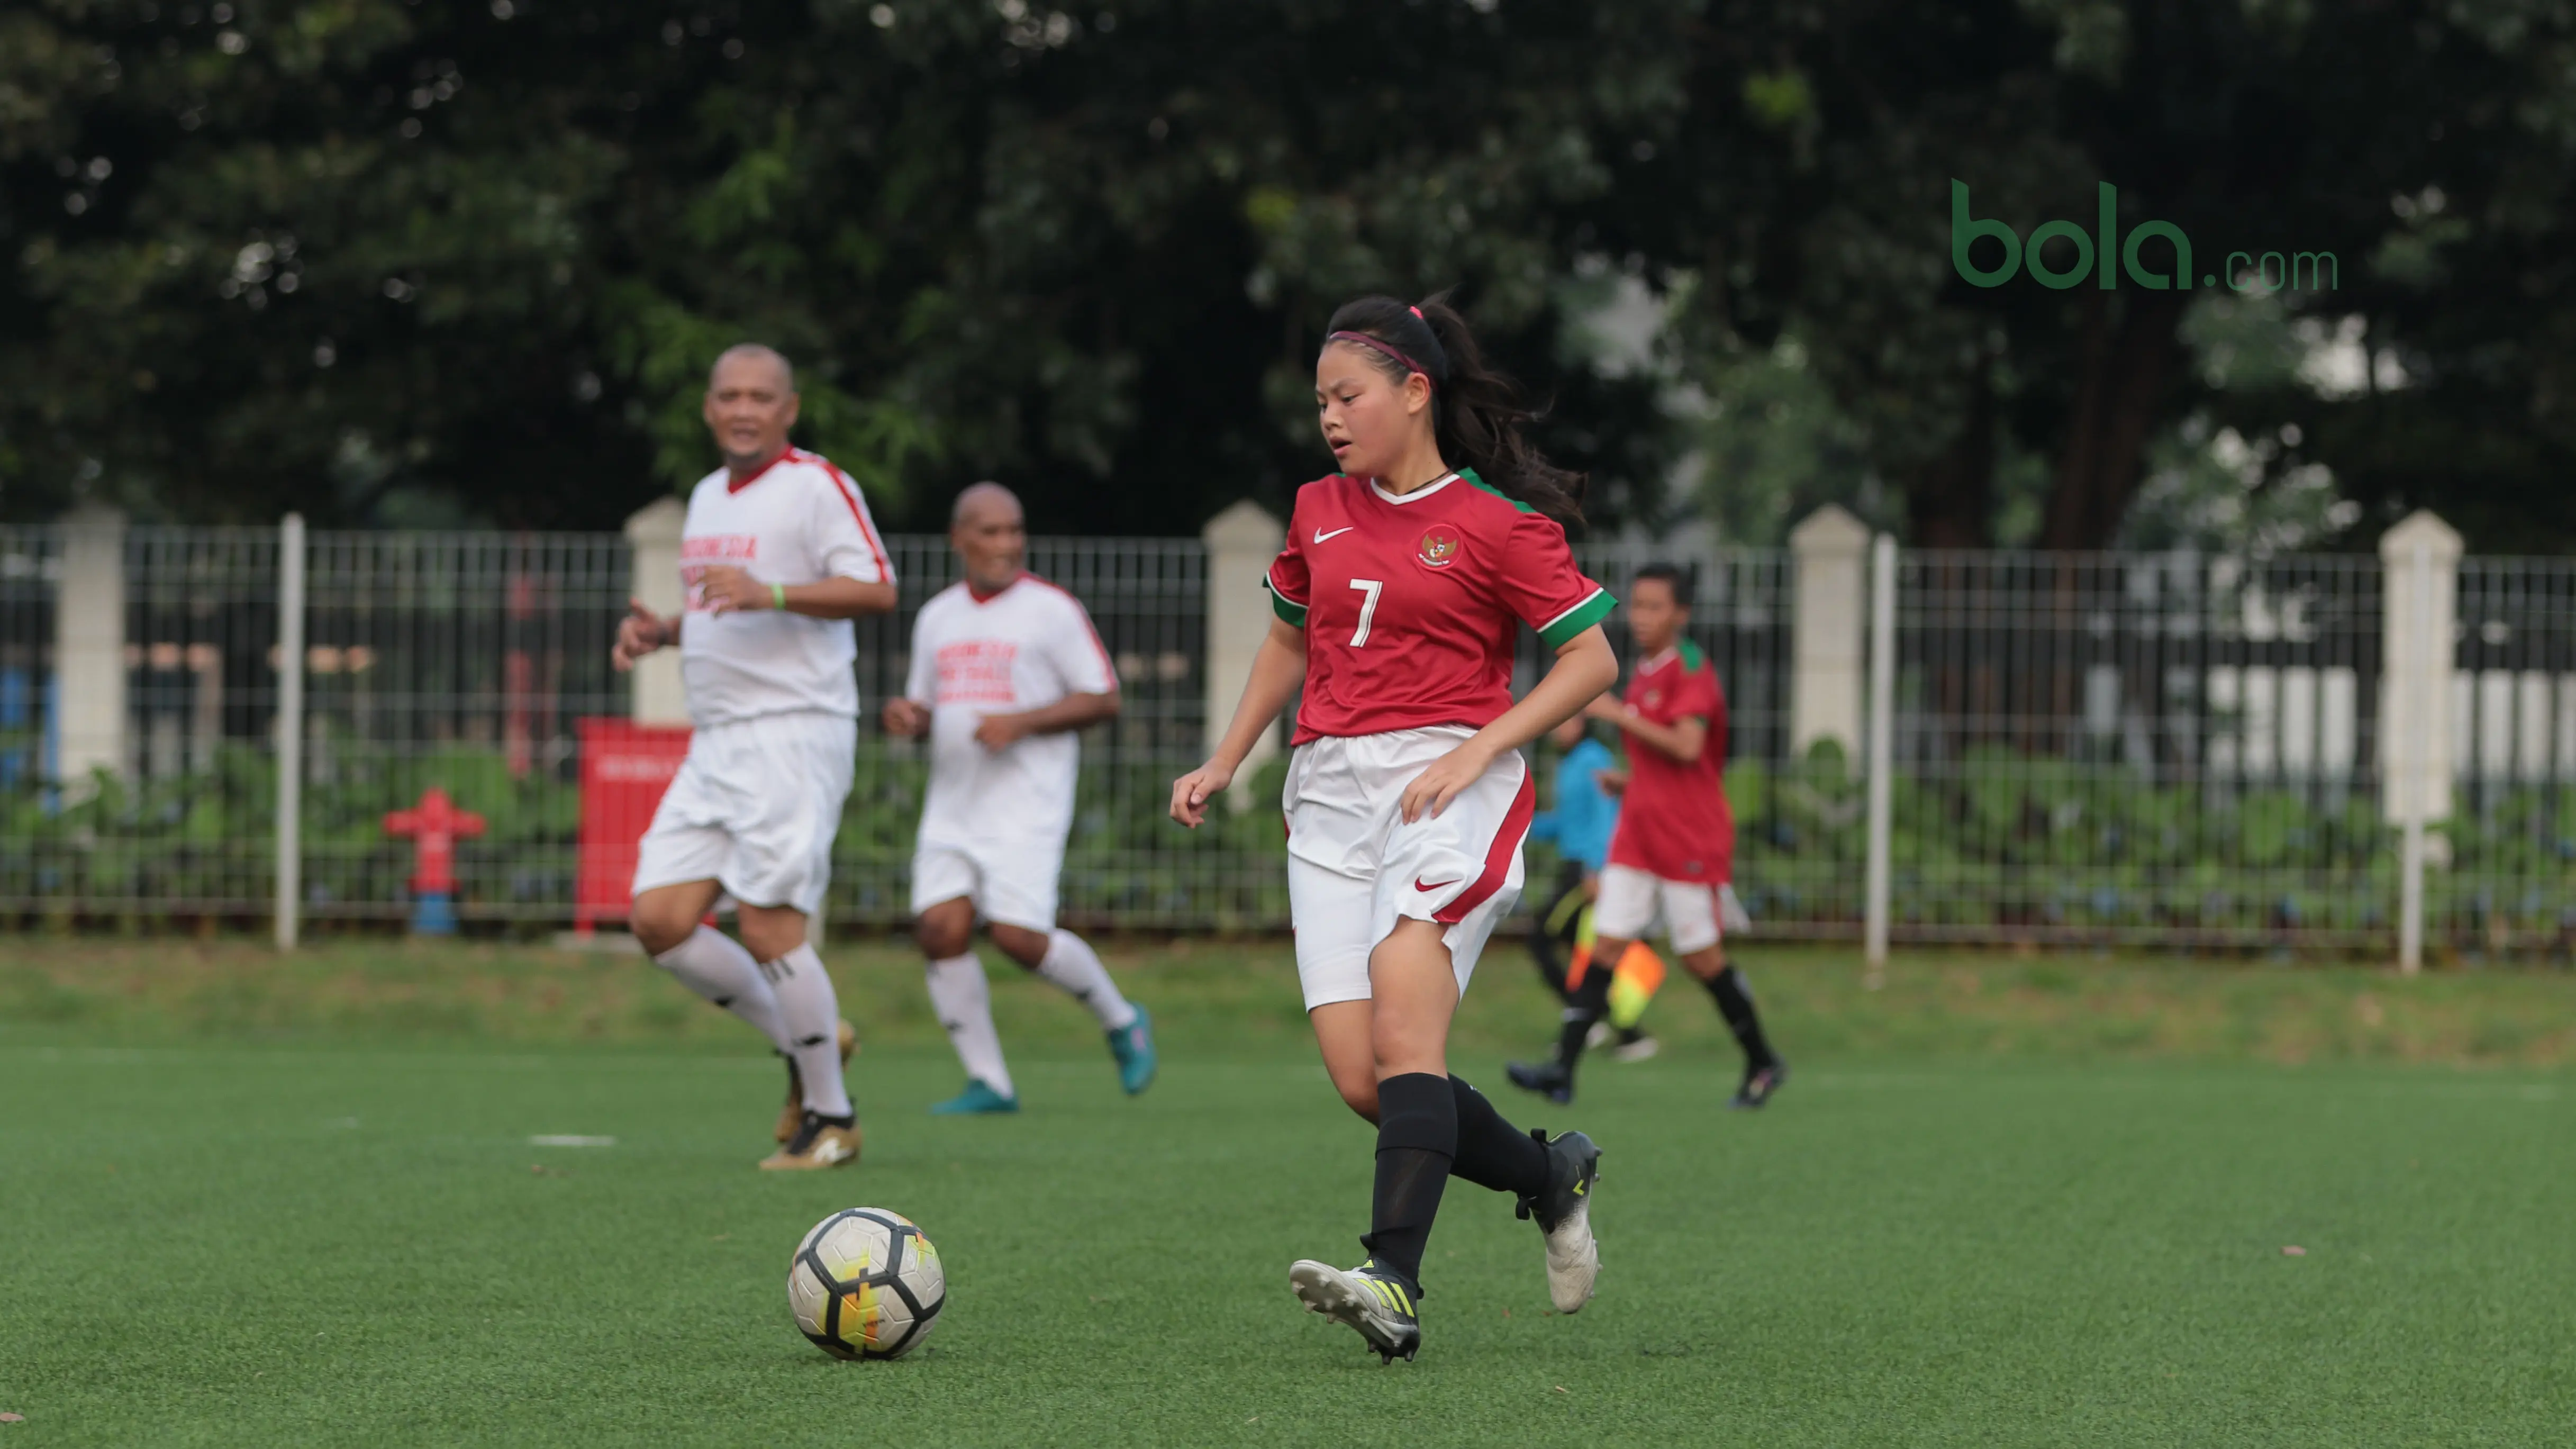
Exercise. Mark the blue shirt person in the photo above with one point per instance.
(1581, 819)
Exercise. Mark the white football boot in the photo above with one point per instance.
(1564, 1213)
(1367, 1298)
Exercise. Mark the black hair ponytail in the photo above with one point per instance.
(1476, 412)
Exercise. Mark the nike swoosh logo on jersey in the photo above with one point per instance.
(1432, 885)
(1321, 535)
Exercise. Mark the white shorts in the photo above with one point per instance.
(754, 808)
(1630, 900)
(1012, 882)
(1354, 867)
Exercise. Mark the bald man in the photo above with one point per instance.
(1005, 668)
(777, 556)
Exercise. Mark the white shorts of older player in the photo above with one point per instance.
(1355, 867)
(1012, 882)
(754, 808)
(1632, 899)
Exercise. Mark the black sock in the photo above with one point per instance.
(1587, 1004)
(1735, 1003)
(1417, 1139)
(1543, 954)
(1552, 934)
(1492, 1152)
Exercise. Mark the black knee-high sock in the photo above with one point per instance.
(1735, 1003)
(1584, 1006)
(1417, 1139)
(1543, 954)
(1553, 932)
(1492, 1152)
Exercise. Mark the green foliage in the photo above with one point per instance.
(387, 263)
(1806, 196)
(2003, 844)
(151, 847)
(1996, 846)
(1775, 446)
(203, 842)
(396, 263)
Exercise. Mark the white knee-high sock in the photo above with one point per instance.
(715, 966)
(965, 1006)
(1071, 964)
(813, 1017)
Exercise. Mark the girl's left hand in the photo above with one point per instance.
(1433, 789)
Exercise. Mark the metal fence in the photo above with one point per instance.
(1126, 864)
(462, 661)
(2507, 881)
(1795, 863)
(2169, 749)
(2130, 748)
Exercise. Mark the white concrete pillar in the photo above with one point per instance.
(2416, 678)
(1826, 655)
(89, 650)
(1241, 542)
(654, 531)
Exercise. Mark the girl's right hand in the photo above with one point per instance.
(1191, 792)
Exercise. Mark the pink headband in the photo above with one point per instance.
(1365, 340)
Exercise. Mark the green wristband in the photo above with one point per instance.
(778, 597)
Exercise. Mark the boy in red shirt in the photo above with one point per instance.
(1674, 850)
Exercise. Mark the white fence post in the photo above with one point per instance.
(1825, 626)
(2420, 560)
(1241, 542)
(1882, 752)
(2420, 713)
(654, 530)
(89, 651)
(290, 728)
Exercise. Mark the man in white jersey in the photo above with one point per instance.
(1005, 668)
(777, 557)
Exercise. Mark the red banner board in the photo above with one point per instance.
(625, 767)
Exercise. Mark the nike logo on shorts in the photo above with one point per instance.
(1321, 535)
(1432, 885)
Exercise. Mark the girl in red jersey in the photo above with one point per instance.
(1406, 579)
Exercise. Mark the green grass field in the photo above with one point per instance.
(2004, 1201)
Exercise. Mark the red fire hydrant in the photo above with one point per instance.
(434, 826)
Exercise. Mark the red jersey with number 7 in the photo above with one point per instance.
(1674, 821)
(1412, 602)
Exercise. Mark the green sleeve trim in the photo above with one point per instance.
(1565, 626)
(1288, 610)
(1692, 659)
(1469, 474)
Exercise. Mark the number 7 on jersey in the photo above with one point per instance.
(1368, 608)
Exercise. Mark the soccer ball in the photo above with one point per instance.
(866, 1284)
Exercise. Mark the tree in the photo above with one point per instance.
(2246, 125)
(389, 262)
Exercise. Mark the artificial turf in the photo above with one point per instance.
(305, 1240)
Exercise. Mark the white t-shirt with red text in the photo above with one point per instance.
(1023, 648)
(798, 521)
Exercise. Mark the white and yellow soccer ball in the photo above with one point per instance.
(865, 1283)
